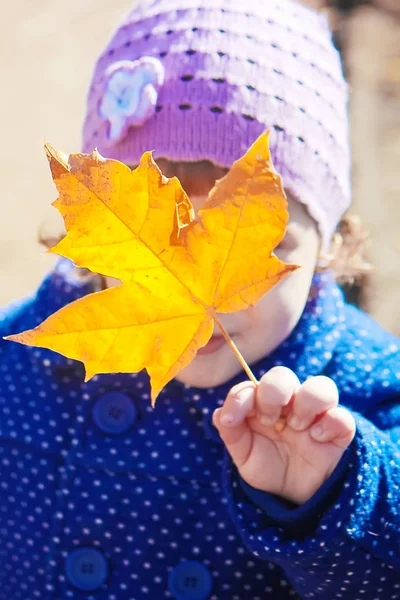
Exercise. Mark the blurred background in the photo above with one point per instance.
(48, 48)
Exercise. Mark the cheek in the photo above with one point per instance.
(268, 318)
(260, 329)
(305, 254)
(292, 292)
(274, 308)
(280, 309)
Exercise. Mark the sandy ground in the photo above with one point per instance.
(373, 61)
(48, 48)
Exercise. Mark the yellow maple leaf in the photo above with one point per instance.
(177, 271)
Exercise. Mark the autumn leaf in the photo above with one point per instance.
(177, 272)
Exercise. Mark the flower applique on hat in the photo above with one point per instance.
(232, 70)
(130, 94)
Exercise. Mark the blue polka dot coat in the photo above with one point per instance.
(104, 498)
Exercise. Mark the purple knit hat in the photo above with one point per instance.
(196, 80)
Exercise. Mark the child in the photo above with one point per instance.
(223, 491)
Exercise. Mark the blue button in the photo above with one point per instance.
(114, 413)
(86, 568)
(190, 580)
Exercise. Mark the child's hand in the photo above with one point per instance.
(293, 462)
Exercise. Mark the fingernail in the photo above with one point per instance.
(264, 420)
(317, 431)
(227, 419)
(244, 395)
(238, 407)
(295, 422)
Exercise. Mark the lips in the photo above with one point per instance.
(215, 343)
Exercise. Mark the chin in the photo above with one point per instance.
(208, 371)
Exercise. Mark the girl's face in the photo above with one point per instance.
(258, 330)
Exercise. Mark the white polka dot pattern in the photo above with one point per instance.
(158, 493)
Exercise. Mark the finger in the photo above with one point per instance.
(230, 420)
(237, 439)
(238, 404)
(274, 392)
(314, 398)
(337, 426)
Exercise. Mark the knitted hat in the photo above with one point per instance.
(195, 80)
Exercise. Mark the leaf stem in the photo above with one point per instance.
(236, 350)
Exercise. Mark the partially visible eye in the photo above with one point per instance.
(289, 242)
(284, 243)
(281, 244)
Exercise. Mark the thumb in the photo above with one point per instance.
(230, 420)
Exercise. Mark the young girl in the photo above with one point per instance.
(223, 491)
